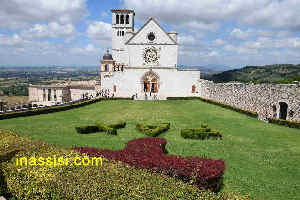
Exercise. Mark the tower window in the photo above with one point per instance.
(127, 19)
(106, 68)
(122, 19)
(117, 19)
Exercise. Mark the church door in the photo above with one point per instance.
(148, 86)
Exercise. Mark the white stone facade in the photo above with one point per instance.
(144, 62)
(48, 95)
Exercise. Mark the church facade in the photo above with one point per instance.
(144, 62)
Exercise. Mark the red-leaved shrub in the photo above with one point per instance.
(149, 153)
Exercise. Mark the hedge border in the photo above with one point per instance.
(247, 112)
(53, 109)
(288, 123)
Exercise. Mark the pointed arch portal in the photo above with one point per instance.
(150, 82)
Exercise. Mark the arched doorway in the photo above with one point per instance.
(283, 110)
(150, 82)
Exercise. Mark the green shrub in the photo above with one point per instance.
(200, 133)
(291, 124)
(118, 125)
(87, 129)
(153, 130)
(101, 127)
(106, 128)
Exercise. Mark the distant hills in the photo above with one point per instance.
(279, 73)
(209, 69)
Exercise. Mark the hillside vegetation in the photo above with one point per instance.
(283, 73)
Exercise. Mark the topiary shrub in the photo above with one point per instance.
(200, 133)
(118, 125)
(101, 127)
(153, 130)
(87, 129)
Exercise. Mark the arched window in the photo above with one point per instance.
(122, 33)
(122, 19)
(118, 19)
(127, 19)
(118, 33)
(106, 68)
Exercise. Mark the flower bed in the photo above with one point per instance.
(149, 153)
(113, 180)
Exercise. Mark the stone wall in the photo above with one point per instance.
(268, 100)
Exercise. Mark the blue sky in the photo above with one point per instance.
(222, 32)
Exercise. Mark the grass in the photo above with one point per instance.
(262, 159)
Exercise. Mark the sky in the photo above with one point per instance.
(211, 32)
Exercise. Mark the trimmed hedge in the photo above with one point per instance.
(118, 125)
(114, 180)
(87, 129)
(247, 112)
(200, 133)
(38, 111)
(46, 110)
(291, 124)
(101, 127)
(153, 130)
(149, 153)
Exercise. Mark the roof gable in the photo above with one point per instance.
(141, 37)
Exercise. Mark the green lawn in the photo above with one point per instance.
(262, 159)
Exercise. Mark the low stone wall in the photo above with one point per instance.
(268, 100)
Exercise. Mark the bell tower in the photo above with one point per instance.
(122, 22)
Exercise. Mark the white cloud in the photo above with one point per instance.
(219, 42)
(89, 49)
(13, 41)
(51, 30)
(281, 14)
(21, 13)
(100, 32)
(238, 34)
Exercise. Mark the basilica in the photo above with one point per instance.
(143, 63)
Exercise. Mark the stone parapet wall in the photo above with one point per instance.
(265, 99)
